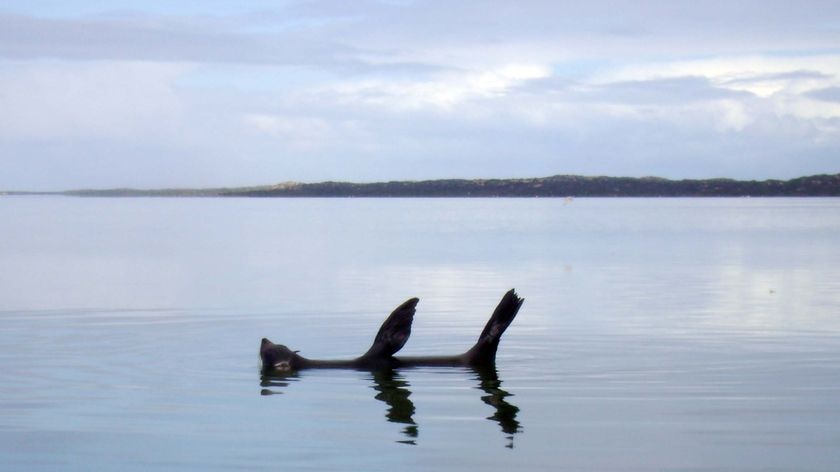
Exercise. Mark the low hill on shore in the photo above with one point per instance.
(826, 185)
(559, 186)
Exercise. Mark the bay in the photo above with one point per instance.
(657, 334)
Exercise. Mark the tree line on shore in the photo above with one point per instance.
(825, 185)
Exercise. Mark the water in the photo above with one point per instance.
(657, 334)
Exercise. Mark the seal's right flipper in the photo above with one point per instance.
(394, 332)
(484, 351)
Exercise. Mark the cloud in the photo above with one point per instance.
(306, 134)
(158, 39)
(828, 94)
(70, 100)
(390, 90)
(784, 76)
(442, 91)
(667, 91)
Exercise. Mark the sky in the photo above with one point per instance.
(204, 93)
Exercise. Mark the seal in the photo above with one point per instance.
(393, 335)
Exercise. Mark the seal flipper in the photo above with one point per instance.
(394, 332)
(484, 351)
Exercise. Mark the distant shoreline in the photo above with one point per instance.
(558, 186)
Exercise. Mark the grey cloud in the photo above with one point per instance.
(597, 27)
(666, 91)
(677, 90)
(202, 40)
(828, 94)
(342, 34)
(793, 75)
(89, 39)
(554, 85)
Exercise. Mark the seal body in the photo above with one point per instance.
(393, 335)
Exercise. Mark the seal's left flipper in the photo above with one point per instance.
(394, 332)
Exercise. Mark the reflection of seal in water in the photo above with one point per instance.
(393, 335)
(393, 389)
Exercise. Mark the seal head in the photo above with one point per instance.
(278, 357)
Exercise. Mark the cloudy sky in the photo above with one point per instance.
(162, 93)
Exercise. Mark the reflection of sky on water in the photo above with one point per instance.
(632, 265)
(147, 253)
(618, 264)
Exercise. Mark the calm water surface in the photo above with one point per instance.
(657, 334)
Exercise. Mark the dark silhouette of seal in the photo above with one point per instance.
(393, 335)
